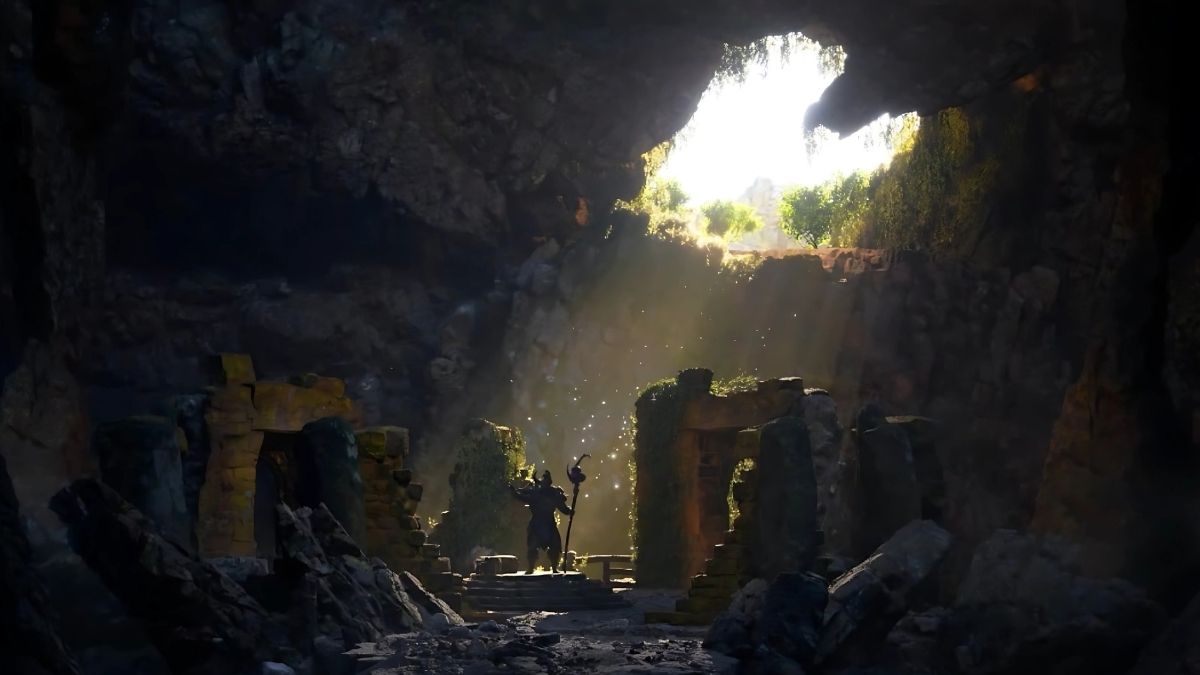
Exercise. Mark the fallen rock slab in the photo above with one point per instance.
(867, 600)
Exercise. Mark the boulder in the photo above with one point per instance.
(791, 619)
(865, 602)
(731, 632)
(767, 622)
(29, 639)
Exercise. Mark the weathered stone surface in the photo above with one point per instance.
(867, 600)
(141, 458)
(353, 599)
(784, 534)
(427, 602)
(780, 619)
(889, 496)
(1028, 606)
(328, 446)
(200, 620)
(29, 637)
(1176, 650)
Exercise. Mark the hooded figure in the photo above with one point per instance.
(543, 499)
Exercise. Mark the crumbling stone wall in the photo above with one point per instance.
(239, 411)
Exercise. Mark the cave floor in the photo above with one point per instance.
(592, 641)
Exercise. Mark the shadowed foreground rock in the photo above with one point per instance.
(199, 619)
(772, 624)
(1177, 650)
(323, 598)
(1024, 607)
(867, 600)
(29, 640)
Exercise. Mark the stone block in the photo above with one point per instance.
(415, 491)
(724, 551)
(384, 442)
(415, 537)
(723, 567)
(431, 551)
(234, 369)
(280, 406)
(402, 477)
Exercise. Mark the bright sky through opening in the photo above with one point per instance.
(742, 131)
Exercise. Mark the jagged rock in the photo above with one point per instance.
(792, 616)
(29, 640)
(1176, 651)
(200, 620)
(330, 447)
(888, 494)
(770, 621)
(866, 601)
(239, 568)
(353, 599)
(731, 632)
(784, 534)
(428, 603)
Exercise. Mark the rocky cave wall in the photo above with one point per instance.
(356, 189)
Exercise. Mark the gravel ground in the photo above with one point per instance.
(612, 641)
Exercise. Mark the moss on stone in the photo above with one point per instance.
(658, 538)
(482, 512)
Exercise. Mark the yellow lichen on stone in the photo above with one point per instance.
(235, 369)
(280, 406)
(380, 442)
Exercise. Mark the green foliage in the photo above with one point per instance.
(737, 61)
(936, 193)
(661, 200)
(734, 385)
(729, 220)
(740, 470)
(827, 213)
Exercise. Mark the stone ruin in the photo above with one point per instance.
(210, 473)
(702, 458)
(482, 517)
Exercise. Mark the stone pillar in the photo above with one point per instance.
(327, 447)
(225, 524)
(889, 494)
(140, 458)
(783, 536)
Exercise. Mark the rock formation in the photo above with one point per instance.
(323, 597)
(28, 634)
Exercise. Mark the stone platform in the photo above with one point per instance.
(541, 591)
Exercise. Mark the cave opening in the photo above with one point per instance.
(745, 152)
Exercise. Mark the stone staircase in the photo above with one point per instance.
(508, 594)
(710, 593)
